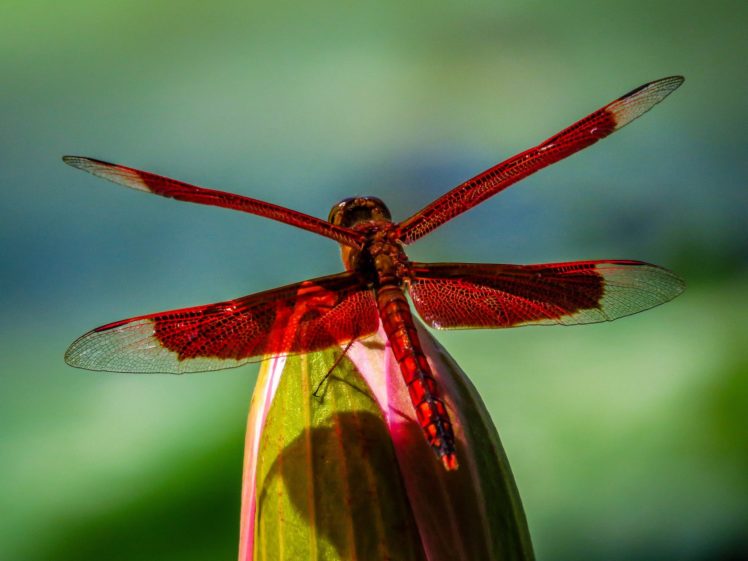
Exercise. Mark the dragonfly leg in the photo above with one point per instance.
(316, 393)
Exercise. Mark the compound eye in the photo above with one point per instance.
(381, 212)
(337, 212)
(350, 212)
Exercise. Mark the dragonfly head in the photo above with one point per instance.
(355, 210)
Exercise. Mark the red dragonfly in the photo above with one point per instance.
(340, 308)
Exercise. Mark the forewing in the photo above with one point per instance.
(302, 317)
(463, 295)
(578, 136)
(181, 191)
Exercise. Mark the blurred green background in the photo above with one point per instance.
(628, 440)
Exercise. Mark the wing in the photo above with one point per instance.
(302, 317)
(578, 136)
(464, 295)
(159, 185)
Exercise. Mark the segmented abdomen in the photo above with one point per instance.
(430, 410)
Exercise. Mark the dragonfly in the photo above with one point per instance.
(341, 308)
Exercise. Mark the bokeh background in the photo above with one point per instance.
(628, 440)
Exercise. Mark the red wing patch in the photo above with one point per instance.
(302, 317)
(578, 136)
(462, 295)
(181, 191)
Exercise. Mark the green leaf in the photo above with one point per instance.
(347, 474)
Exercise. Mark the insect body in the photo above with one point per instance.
(340, 308)
(382, 263)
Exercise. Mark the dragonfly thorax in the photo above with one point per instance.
(370, 216)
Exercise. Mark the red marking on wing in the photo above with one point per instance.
(166, 187)
(302, 317)
(464, 295)
(578, 136)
